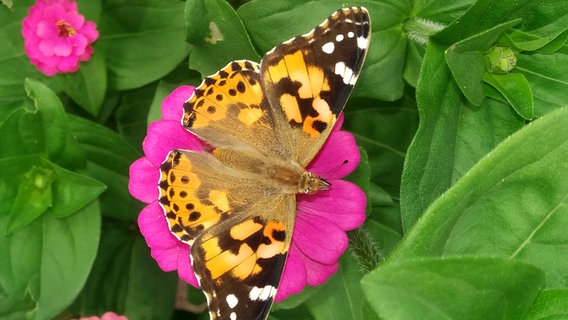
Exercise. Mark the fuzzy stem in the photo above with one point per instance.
(364, 249)
(420, 30)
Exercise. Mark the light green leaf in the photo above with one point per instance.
(34, 197)
(550, 304)
(452, 137)
(516, 89)
(513, 203)
(46, 264)
(458, 288)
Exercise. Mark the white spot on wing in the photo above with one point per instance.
(262, 294)
(328, 48)
(339, 38)
(232, 301)
(233, 316)
(362, 42)
(345, 72)
(350, 34)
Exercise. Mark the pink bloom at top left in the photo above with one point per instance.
(57, 37)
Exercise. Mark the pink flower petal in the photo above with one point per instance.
(172, 106)
(164, 136)
(318, 238)
(344, 204)
(338, 157)
(170, 253)
(62, 47)
(318, 273)
(293, 276)
(143, 183)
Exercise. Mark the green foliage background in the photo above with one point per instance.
(465, 166)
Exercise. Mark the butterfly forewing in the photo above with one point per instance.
(308, 79)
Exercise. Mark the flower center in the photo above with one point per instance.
(64, 29)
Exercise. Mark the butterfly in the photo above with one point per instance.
(235, 203)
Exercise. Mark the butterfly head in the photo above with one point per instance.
(310, 183)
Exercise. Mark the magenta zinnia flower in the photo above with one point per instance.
(106, 316)
(319, 236)
(57, 37)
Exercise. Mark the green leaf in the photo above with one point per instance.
(458, 288)
(142, 40)
(109, 157)
(512, 204)
(343, 298)
(87, 86)
(452, 137)
(516, 89)
(548, 77)
(127, 280)
(59, 145)
(72, 191)
(485, 14)
(217, 36)
(34, 197)
(466, 63)
(384, 131)
(46, 264)
(550, 304)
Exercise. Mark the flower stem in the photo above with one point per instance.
(420, 30)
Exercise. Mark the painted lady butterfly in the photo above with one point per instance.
(265, 122)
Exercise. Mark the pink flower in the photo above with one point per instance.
(106, 316)
(57, 37)
(319, 236)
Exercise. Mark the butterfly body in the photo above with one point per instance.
(235, 205)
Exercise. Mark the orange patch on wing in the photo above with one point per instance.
(245, 229)
(276, 246)
(250, 116)
(219, 199)
(227, 261)
(290, 105)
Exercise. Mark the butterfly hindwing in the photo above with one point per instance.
(240, 262)
(308, 79)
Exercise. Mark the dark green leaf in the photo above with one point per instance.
(87, 86)
(142, 40)
(109, 158)
(217, 36)
(485, 14)
(343, 298)
(459, 288)
(127, 280)
(59, 145)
